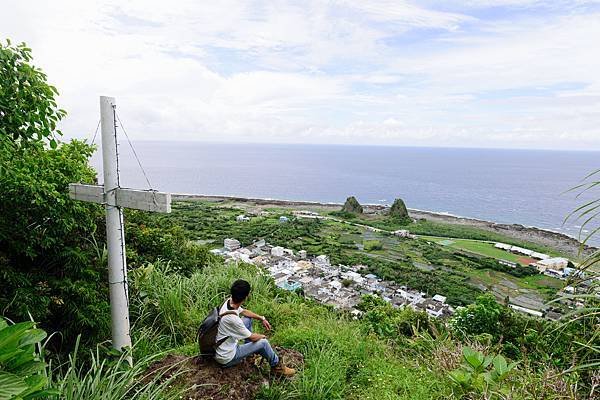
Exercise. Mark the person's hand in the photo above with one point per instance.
(266, 324)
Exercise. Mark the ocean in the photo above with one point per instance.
(508, 186)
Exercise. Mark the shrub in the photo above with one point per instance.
(28, 111)
(50, 262)
(106, 378)
(389, 322)
(481, 317)
(481, 374)
(371, 245)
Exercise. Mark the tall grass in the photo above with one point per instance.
(174, 305)
(588, 284)
(105, 378)
(340, 361)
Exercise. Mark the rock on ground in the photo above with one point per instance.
(205, 379)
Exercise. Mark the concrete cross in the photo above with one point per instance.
(115, 198)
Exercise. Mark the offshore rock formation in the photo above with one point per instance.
(352, 206)
(398, 210)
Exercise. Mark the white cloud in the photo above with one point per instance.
(387, 72)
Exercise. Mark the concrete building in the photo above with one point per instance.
(521, 250)
(403, 233)
(540, 256)
(304, 265)
(322, 260)
(289, 284)
(353, 276)
(277, 251)
(335, 284)
(526, 310)
(439, 298)
(556, 263)
(231, 244)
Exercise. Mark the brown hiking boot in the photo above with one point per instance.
(282, 370)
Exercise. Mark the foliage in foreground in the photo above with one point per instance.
(112, 378)
(22, 369)
(481, 374)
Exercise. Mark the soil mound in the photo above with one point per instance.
(205, 379)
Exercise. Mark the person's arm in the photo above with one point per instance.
(250, 314)
(255, 337)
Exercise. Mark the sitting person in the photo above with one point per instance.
(236, 325)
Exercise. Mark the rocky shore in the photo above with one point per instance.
(561, 242)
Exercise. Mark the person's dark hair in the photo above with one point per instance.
(240, 290)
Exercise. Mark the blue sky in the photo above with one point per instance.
(488, 73)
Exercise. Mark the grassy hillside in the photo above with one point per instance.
(343, 360)
(388, 354)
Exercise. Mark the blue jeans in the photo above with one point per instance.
(262, 347)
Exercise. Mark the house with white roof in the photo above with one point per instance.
(555, 263)
(439, 298)
(503, 246)
(277, 251)
(335, 284)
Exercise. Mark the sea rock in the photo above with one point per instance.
(352, 206)
(398, 210)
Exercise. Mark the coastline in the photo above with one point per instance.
(559, 241)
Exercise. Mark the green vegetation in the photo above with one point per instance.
(588, 212)
(420, 264)
(341, 362)
(28, 110)
(50, 262)
(486, 249)
(21, 368)
(482, 374)
(370, 245)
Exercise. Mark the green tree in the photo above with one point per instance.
(28, 109)
(50, 263)
(483, 316)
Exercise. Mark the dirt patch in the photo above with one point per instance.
(526, 260)
(205, 379)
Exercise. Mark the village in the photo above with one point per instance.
(342, 286)
(337, 285)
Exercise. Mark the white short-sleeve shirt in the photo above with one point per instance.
(231, 327)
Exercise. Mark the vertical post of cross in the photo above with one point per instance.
(115, 234)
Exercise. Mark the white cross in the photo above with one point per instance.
(114, 198)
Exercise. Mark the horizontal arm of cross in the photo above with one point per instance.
(147, 200)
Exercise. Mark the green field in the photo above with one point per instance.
(478, 247)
